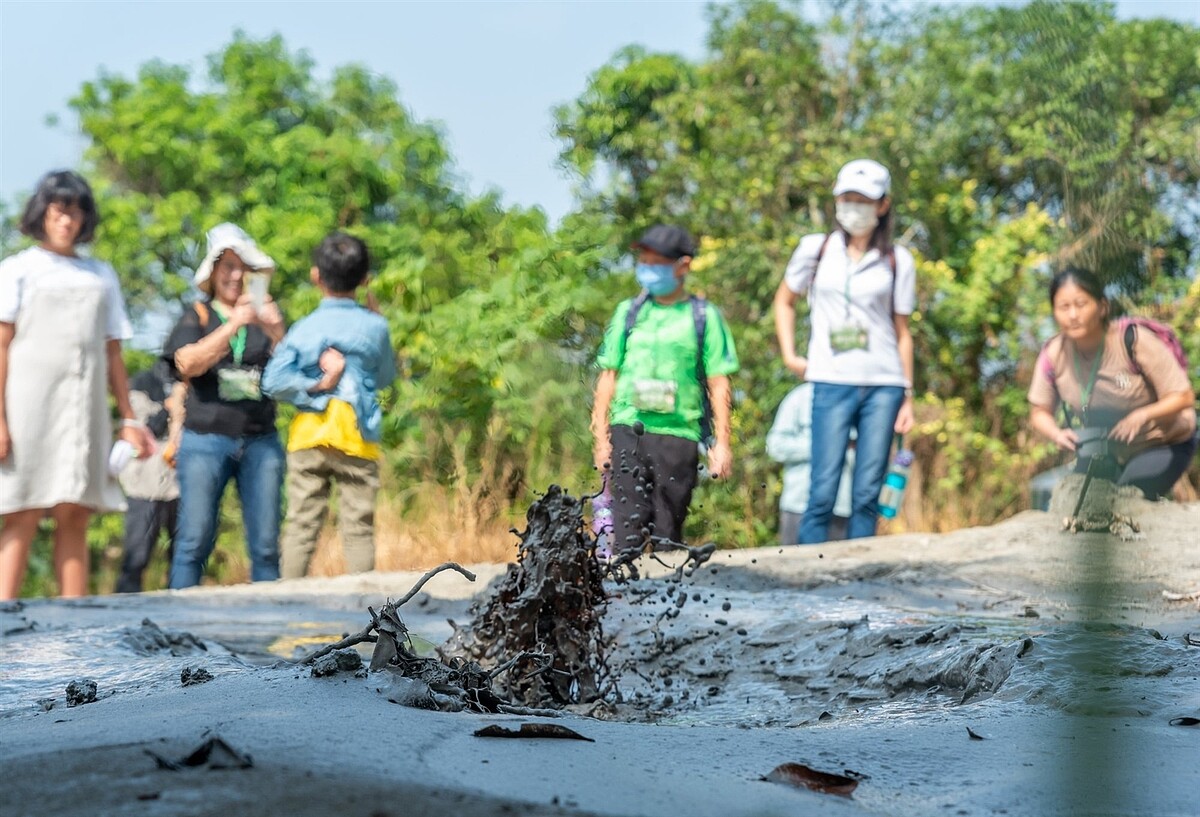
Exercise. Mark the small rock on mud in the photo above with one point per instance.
(194, 675)
(82, 691)
(338, 661)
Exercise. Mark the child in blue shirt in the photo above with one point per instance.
(330, 365)
(790, 442)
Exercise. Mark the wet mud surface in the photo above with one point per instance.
(795, 640)
(735, 643)
(963, 674)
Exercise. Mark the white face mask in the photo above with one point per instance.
(857, 218)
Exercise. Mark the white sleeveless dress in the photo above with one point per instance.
(56, 393)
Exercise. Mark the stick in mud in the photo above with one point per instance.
(366, 634)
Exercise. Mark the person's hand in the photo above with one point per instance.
(372, 303)
(905, 420)
(720, 460)
(1066, 439)
(243, 314)
(270, 318)
(5, 441)
(602, 455)
(140, 438)
(1129, 427)
(332, 363)
(796, 364)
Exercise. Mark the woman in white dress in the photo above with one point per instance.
(62, 320)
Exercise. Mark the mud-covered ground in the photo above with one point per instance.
(1073, 659)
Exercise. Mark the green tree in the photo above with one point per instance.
(493, 319)
(1018, 137)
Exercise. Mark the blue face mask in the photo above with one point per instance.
(657, 279)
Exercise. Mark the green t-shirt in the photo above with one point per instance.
(662, 351)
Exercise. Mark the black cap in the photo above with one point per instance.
(668, 240)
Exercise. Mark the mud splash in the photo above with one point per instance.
(709, 647)
(545, 614)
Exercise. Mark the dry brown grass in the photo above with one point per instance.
(427, 523)
(422, 542)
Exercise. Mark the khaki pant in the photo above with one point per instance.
(311, 472)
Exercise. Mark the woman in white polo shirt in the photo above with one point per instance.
(861, 289)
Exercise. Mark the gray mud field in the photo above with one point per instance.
(1016, 669)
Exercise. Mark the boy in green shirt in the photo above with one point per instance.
(663, 391)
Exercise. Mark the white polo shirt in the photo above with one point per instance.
(870, 305)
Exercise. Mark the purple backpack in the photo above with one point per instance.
(1130, 325)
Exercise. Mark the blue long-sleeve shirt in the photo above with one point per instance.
(363, 339)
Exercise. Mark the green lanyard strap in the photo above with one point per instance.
(1085, 393)
(237, 344)
(849, 273)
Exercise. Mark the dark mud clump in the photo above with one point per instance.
(81, 692)
(149, 638)
(336, 662)
(191, 676)
(545, 613)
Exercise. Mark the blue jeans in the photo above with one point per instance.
(205, 464)
(871, 410)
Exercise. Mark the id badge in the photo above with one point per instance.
(238, 383)
(657, 396)
(848, 338)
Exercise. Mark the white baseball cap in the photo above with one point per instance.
(864, 176)
(228, 236)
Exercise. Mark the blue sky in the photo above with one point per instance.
(489, 72)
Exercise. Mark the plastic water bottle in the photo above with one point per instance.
(891, 498)
(120, 455)
(602, 522)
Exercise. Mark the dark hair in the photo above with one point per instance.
(1085, 279)
(65, 188)
(881, 239)
(342, 262)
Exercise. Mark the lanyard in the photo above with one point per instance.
(850, 268)
(1086, 388)
(849, 272)
(237, 344)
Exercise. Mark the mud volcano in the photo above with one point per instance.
(544, 616)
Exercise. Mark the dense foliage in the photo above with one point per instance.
(1018, 138)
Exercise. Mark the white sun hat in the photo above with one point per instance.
(864, 176)
(228, 236)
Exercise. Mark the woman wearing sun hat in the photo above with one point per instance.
(220, 347)
(861, 289)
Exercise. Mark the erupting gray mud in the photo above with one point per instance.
(543, 618)
(605, 640)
